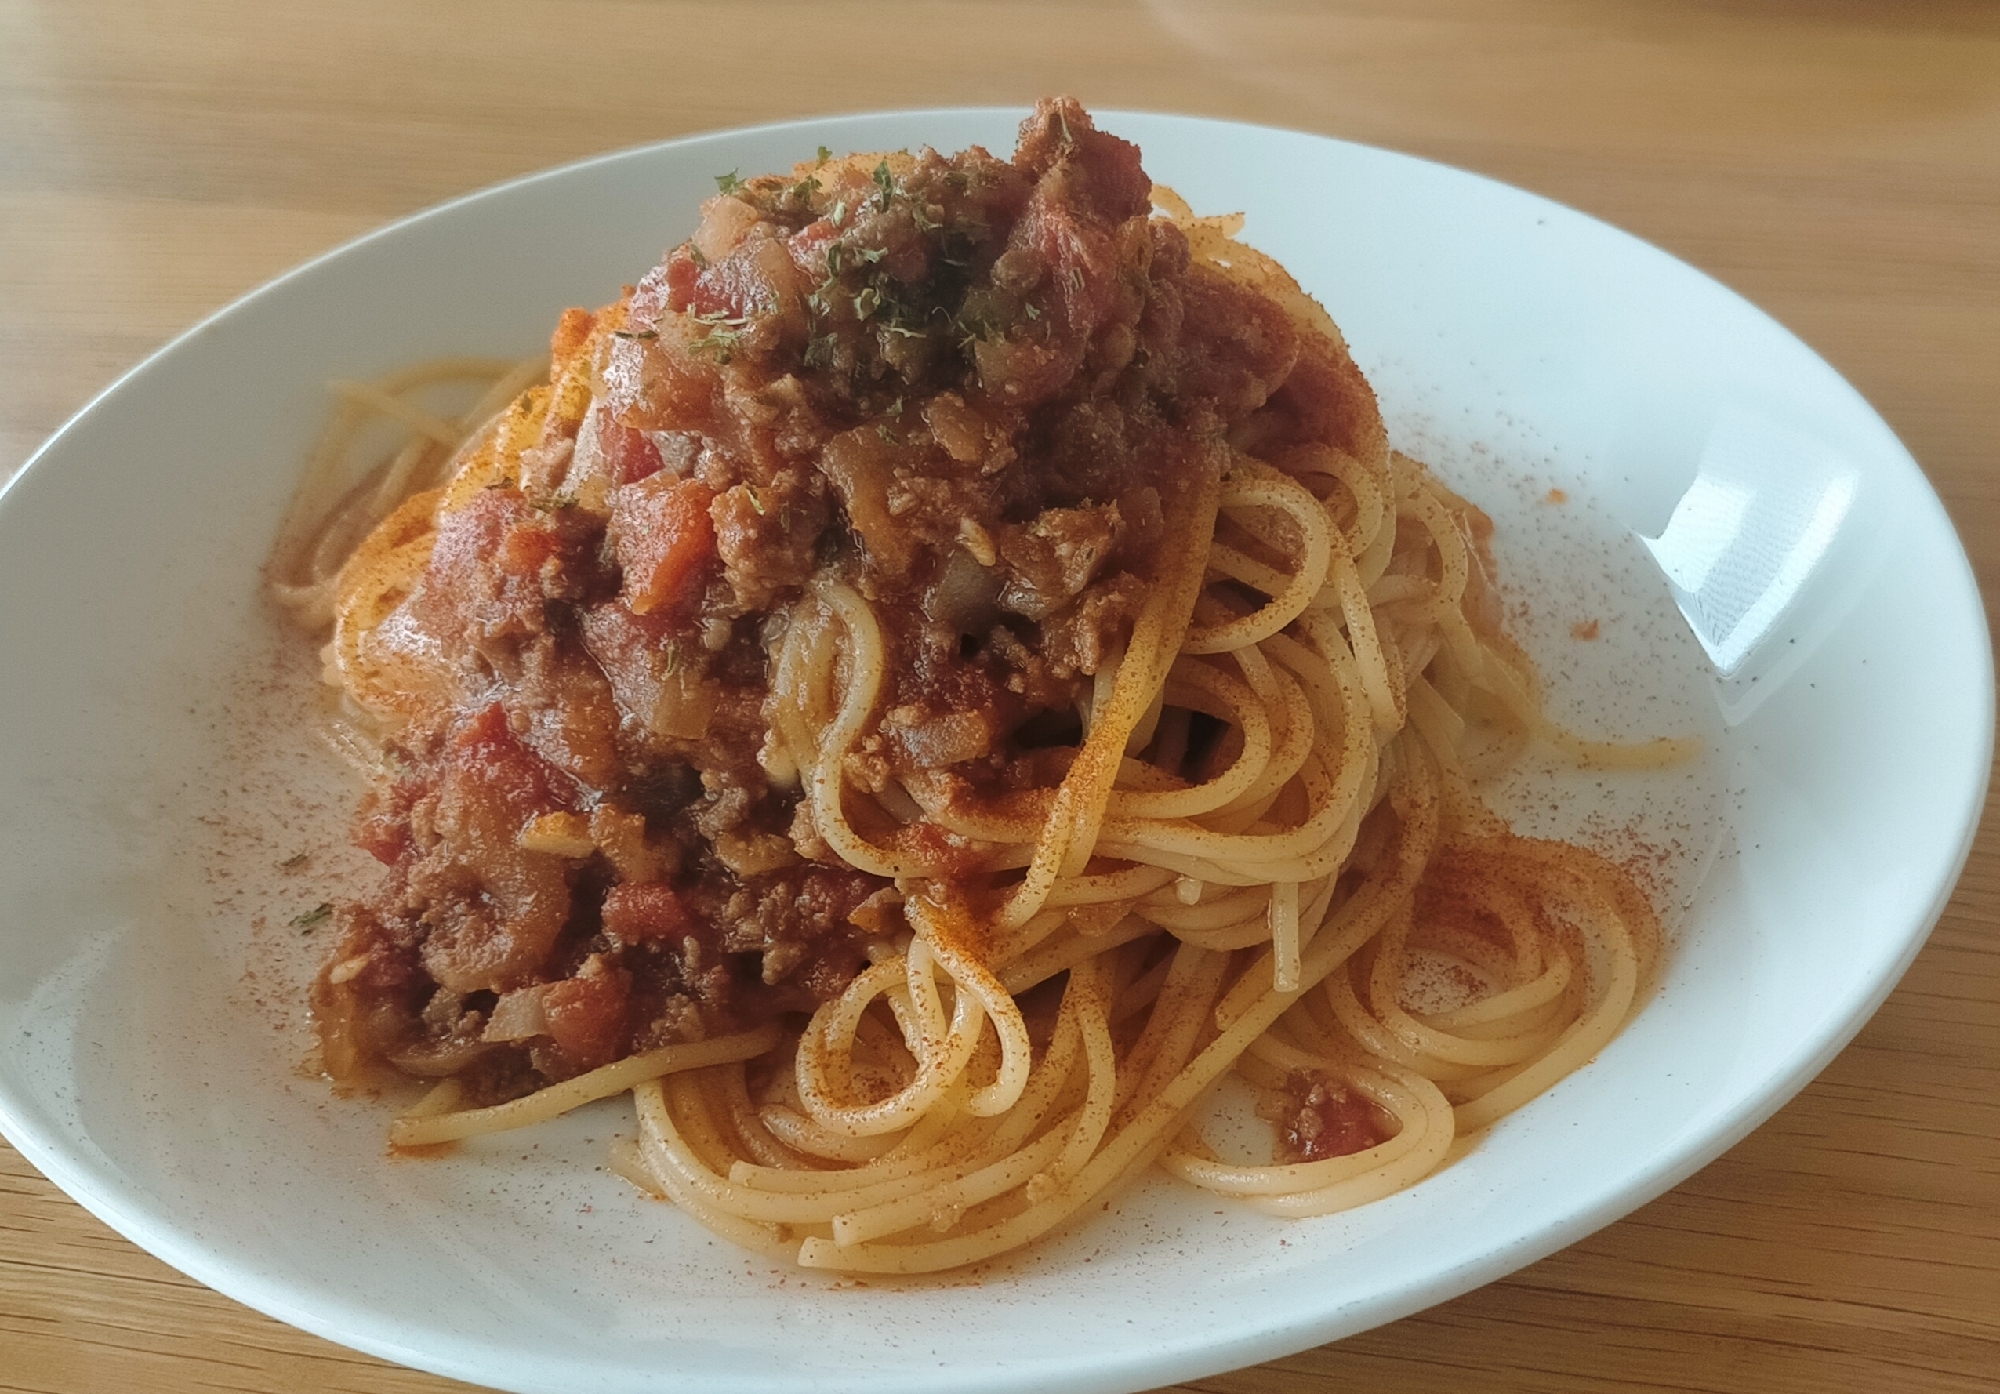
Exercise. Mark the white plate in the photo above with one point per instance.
(153, 775)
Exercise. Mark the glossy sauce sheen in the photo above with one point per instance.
(965, 386)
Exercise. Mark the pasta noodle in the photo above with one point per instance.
(1223, 822)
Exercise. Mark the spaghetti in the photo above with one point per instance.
(917, 691)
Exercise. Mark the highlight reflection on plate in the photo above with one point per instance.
(155, 773)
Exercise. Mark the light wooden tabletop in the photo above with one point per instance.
(1838, 161)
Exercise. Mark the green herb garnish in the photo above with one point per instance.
(724, 334)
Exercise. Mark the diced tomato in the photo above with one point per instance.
(488, 763)
(808, 248)
(629, 648)
(681, 270)
(467, 539)
(664, 540)
(586, 1016)
(647, 911)
(486, 726)
(729, 290)
(631, 454)
(476, 547)
(525, 546)
(382, 825)
(382, 838)
(662, 385)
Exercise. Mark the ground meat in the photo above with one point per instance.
(562, 707)
(970, 388)
(482, 593)
(368, 1000)
(1085, 635)
(1051, 560)
(798, 920)
(1318, 1119)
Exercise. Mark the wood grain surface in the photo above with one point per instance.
(1838, 161)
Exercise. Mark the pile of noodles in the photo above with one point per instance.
(1028, 1045)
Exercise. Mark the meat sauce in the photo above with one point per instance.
(968, 386)
(1318, 1119)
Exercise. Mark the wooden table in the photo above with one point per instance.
(1836, 160)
